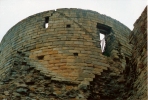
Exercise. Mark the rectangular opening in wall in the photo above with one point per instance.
(40, 57)
(103, 32)
(68, 26)
(75, 54)
(46, 22)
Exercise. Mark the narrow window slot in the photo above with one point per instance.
(46, 22)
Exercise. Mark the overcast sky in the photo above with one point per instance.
(125, 11)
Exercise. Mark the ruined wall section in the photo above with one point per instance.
(136, 71)
(62, 49)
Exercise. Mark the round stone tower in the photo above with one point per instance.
(65, 44)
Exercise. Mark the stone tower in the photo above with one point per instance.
(64, 44)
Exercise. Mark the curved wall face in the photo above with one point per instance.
(69, 48)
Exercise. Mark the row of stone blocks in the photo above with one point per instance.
(74, 48)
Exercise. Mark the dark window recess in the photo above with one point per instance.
(40, 57)
(75, 54)
(103, 31)
(68, 26)
(46, 22)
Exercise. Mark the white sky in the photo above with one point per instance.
(13, 11)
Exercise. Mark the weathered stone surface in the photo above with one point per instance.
(136, 69)
(64, 60)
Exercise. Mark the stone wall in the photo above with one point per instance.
(64, 46)
(61, 48)
(136, 70)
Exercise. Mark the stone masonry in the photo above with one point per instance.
(137, 69)
(56, 55)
